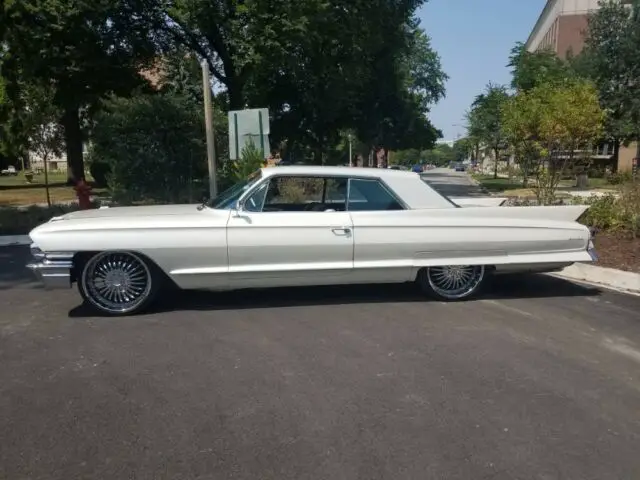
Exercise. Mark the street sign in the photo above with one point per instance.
(246, 126)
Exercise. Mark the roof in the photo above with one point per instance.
(338, 171)
(408, 185)
(538, 24)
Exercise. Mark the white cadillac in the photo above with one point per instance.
(304, 225)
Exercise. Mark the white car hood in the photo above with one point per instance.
(122, 212)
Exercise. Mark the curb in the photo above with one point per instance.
(12, 240)
(627, 282)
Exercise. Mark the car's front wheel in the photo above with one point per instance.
(117, 283)
(452, 282)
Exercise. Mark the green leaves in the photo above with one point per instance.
(612, 60)
(154, 146)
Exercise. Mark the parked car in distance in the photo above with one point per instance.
(460, 167)
(304, 225)
(10, 171)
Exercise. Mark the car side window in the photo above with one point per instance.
(299, 194)
(255, 201)
(370, 195)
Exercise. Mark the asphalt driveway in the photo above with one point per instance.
(538, 379)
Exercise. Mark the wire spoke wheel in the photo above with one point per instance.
(454, 282)
(116, 282)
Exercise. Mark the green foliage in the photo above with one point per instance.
(463, 149)
(485, 119)
(251, 160)
(531, 69)
(154, 147)
(619, 178)
(83, 49)
(617, 214)
(547, 125)
(612, 60)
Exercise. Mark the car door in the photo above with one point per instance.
(291, 230)
(383, 243)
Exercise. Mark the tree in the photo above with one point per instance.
(485, 120)
(521, 123)
(552, 128)
(463, 149)
(154, 147)
(86, 49)
(611, 58)
(530, 69)
(45, 135)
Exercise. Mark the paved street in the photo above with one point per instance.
(452, 183)
(538, 379)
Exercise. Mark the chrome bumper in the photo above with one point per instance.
(52, 269)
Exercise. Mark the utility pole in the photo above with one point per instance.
(208, 124)
(350, 156)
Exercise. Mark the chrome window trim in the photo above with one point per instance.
(349, 178)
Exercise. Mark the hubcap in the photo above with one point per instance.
(455, 281)
(116, 282)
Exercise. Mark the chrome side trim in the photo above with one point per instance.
(53, 269)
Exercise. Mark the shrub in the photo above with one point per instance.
(100, 171)
(619, 178)
(616, 214)
(154, 146)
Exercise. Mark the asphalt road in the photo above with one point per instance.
(538, 379)
(452, 183)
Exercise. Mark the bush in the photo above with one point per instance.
(154, 147)
(616, 214)
(619, 178)
(100, 171)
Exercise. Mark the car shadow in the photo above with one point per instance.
(503, 287)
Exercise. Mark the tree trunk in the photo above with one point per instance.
(73, 144)
(495, 165)
(236, 94)
(46, 178)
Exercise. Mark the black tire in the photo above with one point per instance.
(118, 283)
(466, 281)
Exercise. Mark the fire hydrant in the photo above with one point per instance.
(83, 191)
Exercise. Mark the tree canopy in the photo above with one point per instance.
(320, 67)
(612, 60)
(485, 119)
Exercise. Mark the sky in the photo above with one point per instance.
(473, 39)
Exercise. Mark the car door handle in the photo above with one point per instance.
(341, 230)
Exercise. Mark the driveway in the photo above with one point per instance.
(538, 379)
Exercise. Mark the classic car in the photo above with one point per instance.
(304, 225)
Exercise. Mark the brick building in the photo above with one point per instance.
(561, 27)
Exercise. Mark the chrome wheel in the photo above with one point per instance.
(116, 282)
(455, 281)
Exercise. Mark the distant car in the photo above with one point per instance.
(416, 168)
(460, 167)
(10, 171)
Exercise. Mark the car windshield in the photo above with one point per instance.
(227, 199)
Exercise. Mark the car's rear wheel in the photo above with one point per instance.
(117, 283)
(452, 282)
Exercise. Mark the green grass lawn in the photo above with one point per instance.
(16, 191)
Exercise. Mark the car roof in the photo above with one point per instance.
(412, 190)
(335, 171)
